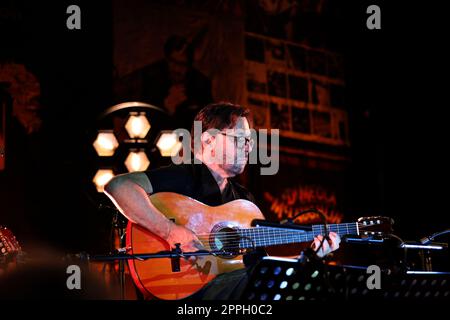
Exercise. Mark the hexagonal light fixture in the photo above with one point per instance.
(137, 125)
(101, 178)
(137, 160)
(105, 144)
(168, 144)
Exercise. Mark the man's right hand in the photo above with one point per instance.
(188, 240)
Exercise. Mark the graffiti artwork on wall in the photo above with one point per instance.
(293, 200)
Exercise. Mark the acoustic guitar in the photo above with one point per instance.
(225, 230)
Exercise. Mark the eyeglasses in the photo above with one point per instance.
(240, 141)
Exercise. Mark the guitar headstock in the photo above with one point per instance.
(8, 242)
(375, 226)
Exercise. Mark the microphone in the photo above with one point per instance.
(429, 239)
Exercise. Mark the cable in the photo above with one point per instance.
(396, 237)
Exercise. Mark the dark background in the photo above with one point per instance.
(396, 82)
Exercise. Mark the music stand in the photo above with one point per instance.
(286, 279)
(289, 279)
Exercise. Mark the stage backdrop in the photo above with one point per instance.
(303, 183)
(288, 84)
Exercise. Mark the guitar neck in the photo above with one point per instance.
(268, 236)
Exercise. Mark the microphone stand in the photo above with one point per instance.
(118, 228)
(119, 225)
(175, 253)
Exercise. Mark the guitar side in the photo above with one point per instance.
(154, 277)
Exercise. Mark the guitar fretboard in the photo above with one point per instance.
(268, 236)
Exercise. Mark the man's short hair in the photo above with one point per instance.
(221, 115)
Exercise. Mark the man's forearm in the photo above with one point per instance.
(134, 203)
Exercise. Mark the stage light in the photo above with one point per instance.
(102, 177)
(137, 125)
(105, 144)
(137, 160)
(168, 144)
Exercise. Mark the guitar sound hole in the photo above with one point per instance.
(226, 240)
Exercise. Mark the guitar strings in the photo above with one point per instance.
(237, 245)
(238, 242)
(273, 232)
(267, 234)
(243, 242)
(232, 240)
(230, 235)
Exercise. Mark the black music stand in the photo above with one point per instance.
(286, 279)
(289, 279)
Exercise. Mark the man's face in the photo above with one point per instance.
(233, 146)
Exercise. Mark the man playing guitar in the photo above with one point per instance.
(209, 182)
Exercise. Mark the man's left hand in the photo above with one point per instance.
(328, 246)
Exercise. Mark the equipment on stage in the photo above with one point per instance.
(408, 269)
(429, 239)
(289, 279)
(9, 246)
(226, 234)
(8, 242)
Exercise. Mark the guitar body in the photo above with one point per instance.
(154, 277)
